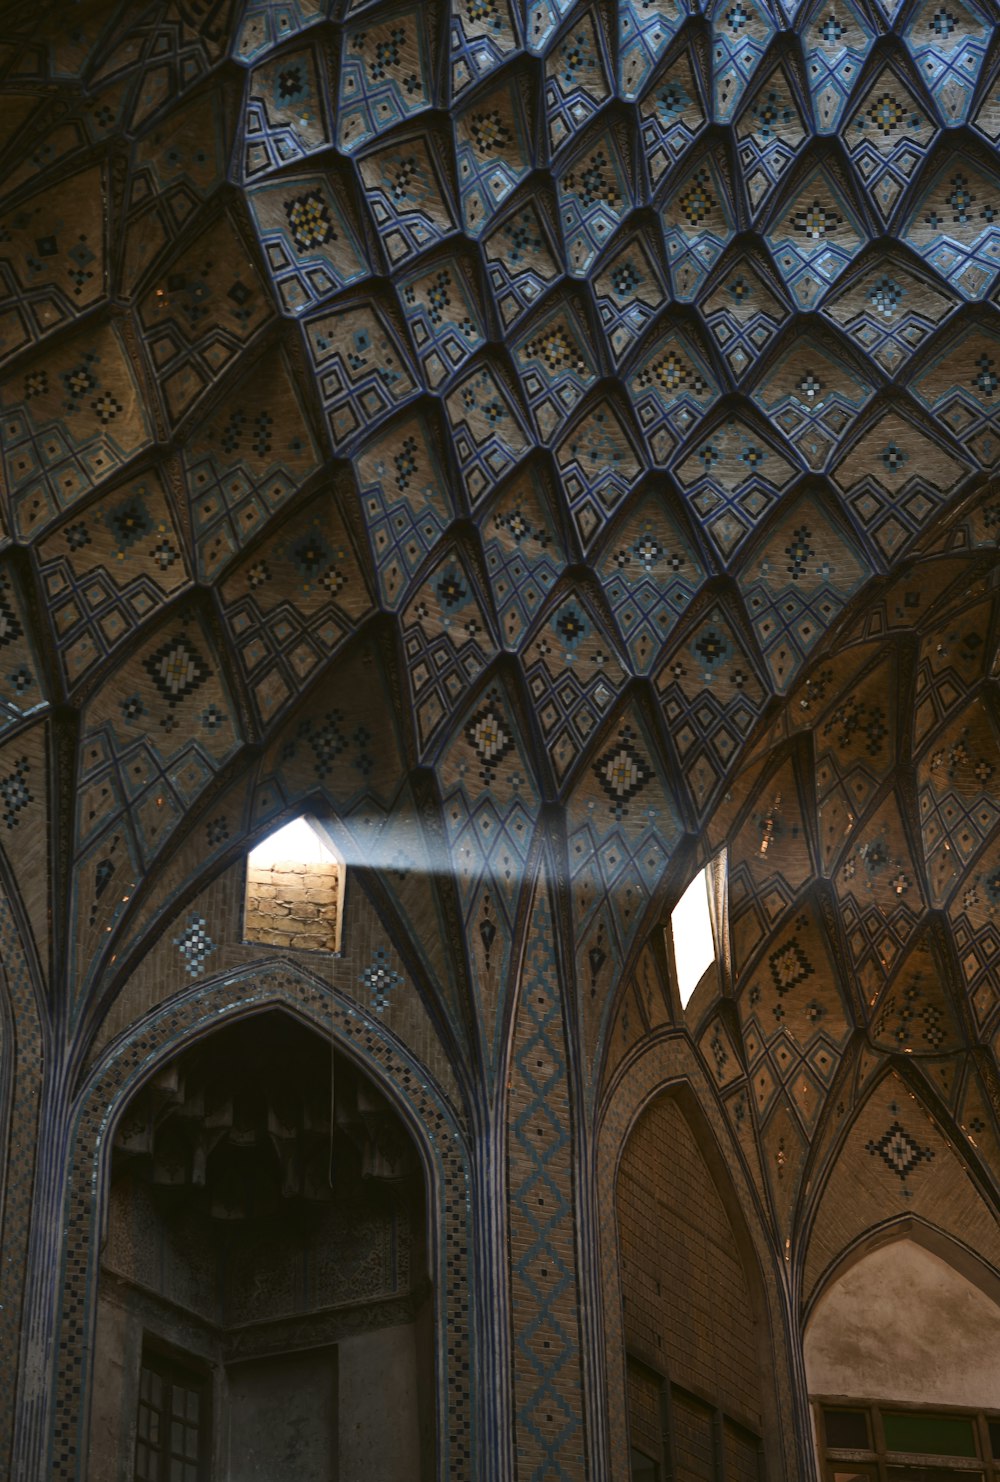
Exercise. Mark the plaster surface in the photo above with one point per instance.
(902, 1324)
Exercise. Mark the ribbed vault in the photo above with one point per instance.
(548, 432)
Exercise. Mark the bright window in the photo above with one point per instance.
(693, 936)
(297, 842)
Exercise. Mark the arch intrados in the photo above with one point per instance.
(961, 1258)
(215, 1022)
(681, 1093)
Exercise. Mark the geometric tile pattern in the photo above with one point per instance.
(712, 692)
(633, 371)
(490, 809)
(622, 828)
(547, 1419)
(107, 570)
(524, 553)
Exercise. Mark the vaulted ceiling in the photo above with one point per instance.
(556, 429)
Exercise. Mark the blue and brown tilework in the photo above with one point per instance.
(484, 419)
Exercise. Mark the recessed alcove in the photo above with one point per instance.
(264, 1311)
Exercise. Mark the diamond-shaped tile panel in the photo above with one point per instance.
(813, 396)
(769, 862)
(887, 134)
(732, 475)
(385, 74)
(889, 311)
(407, 196)
(361, 369)
(913, 1014)
(521, 259)
(444, 318)
(482, 36)
(492, 152)
(403, 494)
(244, 461)
(712, 694)
(744, 312)
(489, 806)
(961, 387)
(796, 583)
(284, 113)
(671, 388)
(814, 236)
(576, 79)
(975, 922)
(446, 645)
(770, 132)
(955, 226)
(957, 796)
(650, 572)
(52, 263)
(488, 433)
(836, 38)
(623, 826)
(595, 194)
(291, 603)
(644, 32)
(628, 289)
(598, 465)
(948, 44)
(880, 898)
(524, 553)
(265, 25)
(70, 416)
(176, 164)
(109, 569)
(698, 223)
(954, 655)
(154, 736)
(794, 993)
(894, 479)
(556, 366)
(741, 33)
(574, 676)
(310, 247)
(542, 19)
(672, 115)
(210, 303)
(855, 742)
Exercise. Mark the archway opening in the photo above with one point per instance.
(696, 1350)
(902, 1354)
(264, 1310)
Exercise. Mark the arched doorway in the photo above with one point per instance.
(902, 1355)
(264, 1307)
(698, 1372)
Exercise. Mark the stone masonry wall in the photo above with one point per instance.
(290, 904)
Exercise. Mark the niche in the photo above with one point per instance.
(697, 1369)
(264, 1310)
(902, 1354)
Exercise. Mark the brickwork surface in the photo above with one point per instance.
(687, 1307)
(548, 1396)
(293, 905)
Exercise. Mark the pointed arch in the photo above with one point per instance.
(669, 1068)
(437, 1134)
